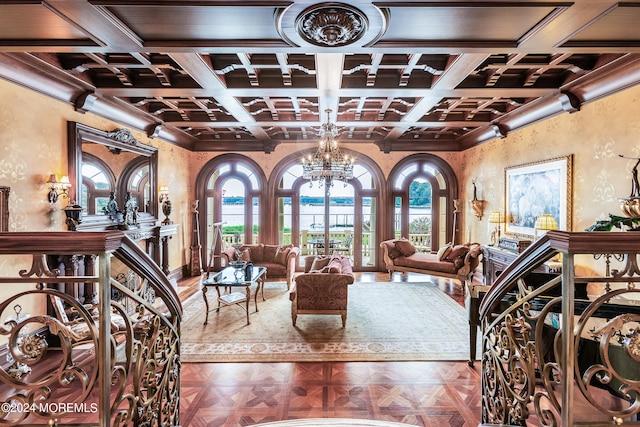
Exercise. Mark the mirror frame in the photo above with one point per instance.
(122, 139)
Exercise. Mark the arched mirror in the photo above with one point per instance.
(113, 178)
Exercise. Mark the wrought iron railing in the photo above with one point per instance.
(113, 362)
(564, 350)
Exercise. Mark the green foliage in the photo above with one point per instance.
(421, 225)
(617, 222)
(420, 193)
(237, 229)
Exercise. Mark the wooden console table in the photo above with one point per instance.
(154, 237)
(495, 260)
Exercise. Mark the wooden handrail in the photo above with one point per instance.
(133, 340)
(550, 349)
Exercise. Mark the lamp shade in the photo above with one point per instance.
(546, 222)
(496, 217)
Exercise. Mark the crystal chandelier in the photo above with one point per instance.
(328, 163)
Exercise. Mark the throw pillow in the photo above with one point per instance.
(444, 251)
(335, 265)
(394, 252)
(281, 255)
(458, 262)
(405, 247)
(319, 263)
(457, 251)
(269, 253)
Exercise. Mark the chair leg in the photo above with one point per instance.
(344, 318)
(294, 314)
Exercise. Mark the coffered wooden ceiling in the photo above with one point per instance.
(214, 75)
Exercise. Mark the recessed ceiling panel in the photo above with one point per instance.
(617, 27)
(463, 23)
(168, 22)
(37, 24)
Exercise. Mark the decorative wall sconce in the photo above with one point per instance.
(166, 204)
(58, 188)
(477, 204)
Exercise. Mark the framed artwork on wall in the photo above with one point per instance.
(538, 188)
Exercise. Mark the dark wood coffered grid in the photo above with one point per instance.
(241, 76)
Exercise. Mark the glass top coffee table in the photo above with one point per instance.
(227, 280)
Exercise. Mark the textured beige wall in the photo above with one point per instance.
(33, 144)
(595, 136)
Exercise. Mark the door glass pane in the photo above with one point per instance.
(233, 211)
(210, 221)
(285, 223)
(368, 231)
(311, 219)
(420, 214)
(397, 218)
(341, 220)
(443, 221)
(255, 230)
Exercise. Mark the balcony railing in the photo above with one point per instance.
(420, 241)
(113, 362)
(564, 350)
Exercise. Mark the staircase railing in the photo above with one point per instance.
(564, 350)
(115, 362)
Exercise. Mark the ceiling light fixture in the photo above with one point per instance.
(328, 163)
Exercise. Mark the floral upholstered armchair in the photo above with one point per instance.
(323, 288)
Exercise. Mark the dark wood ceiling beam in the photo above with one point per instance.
(405, 72)
(283, 62)
(565, 24)
(272, 109)
(384, 108)
(495, 73)
(457, 70)
(207, 78)
(345, 124)
(97, 21)
(416, 93)
(329, 68)
(251, 71)
(376, 60)
(296, 108)
(359, 108)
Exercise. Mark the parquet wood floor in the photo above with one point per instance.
(416, 393)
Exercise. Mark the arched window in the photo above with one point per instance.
(135, 181)
(423, 189)
(98, 181)
(229, 188)
(345, 220)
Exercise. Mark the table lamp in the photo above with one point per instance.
(497, 218)
(545, 222)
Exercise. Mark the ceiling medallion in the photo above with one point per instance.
(331, 24)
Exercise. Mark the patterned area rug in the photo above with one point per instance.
(393, 321)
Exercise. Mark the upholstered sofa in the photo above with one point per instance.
(453, 261)
(323, 287)
(280, 261)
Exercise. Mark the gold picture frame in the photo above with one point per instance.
(535, 188)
